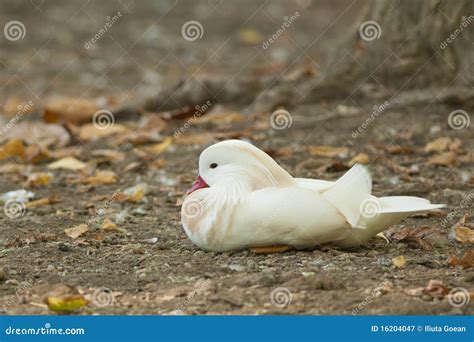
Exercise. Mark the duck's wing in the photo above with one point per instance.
(291, 215)
(313, 184)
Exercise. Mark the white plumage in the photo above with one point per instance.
(243, 199)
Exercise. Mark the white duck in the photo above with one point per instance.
(244, 199)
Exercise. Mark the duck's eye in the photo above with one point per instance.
(213, 165)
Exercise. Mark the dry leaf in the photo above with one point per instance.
(436, 289)
(398, 149)
(72, 110)
(66, 303)
(399, 261)
(445, 159)
(108, 225)
(13, 148)
(39, 179)
(328, 151)
(466, 261)
(464, 234)
(39, 133)
(438, 145)
(220, 118)
(76, 231)
(102, 177)
(11, 168)
(43, 201)
(108, 156)
(158, 148)
(93, 132)
(250, 36)
(68, 163)
(361, 158)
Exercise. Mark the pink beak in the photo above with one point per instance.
(198, 184)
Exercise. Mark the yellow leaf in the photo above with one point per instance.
(250, 36)
(438, 145)
(13, 148)
(68, 163)
(399, 261)
(102, 177)
(108, 225)
(76, 231)
(445, 159)
(328, 151)
(39, 179)
(66, 304)
(464, 234)
(361, 158)
(158, 148)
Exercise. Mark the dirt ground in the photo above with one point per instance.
(147, 264)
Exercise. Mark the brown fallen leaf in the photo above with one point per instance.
(39, 179)
(76, 231)
(328, 151)
(279, 152)
(418, 236)
(250, 36)
(444, 159)
(399, 149)
(68, 163)
(72, 110)
(39, 133)
(108, 156)
(101, 177)
(13, 148)
(438, 145)
(220, 116)
(435, 288)
(467, 260)
(399, 261)
(11, 168)
(361, 158)
(43, 201)
(468, 158)
(108, 225)
(464, 234)
(89, 132)
(158, 148)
